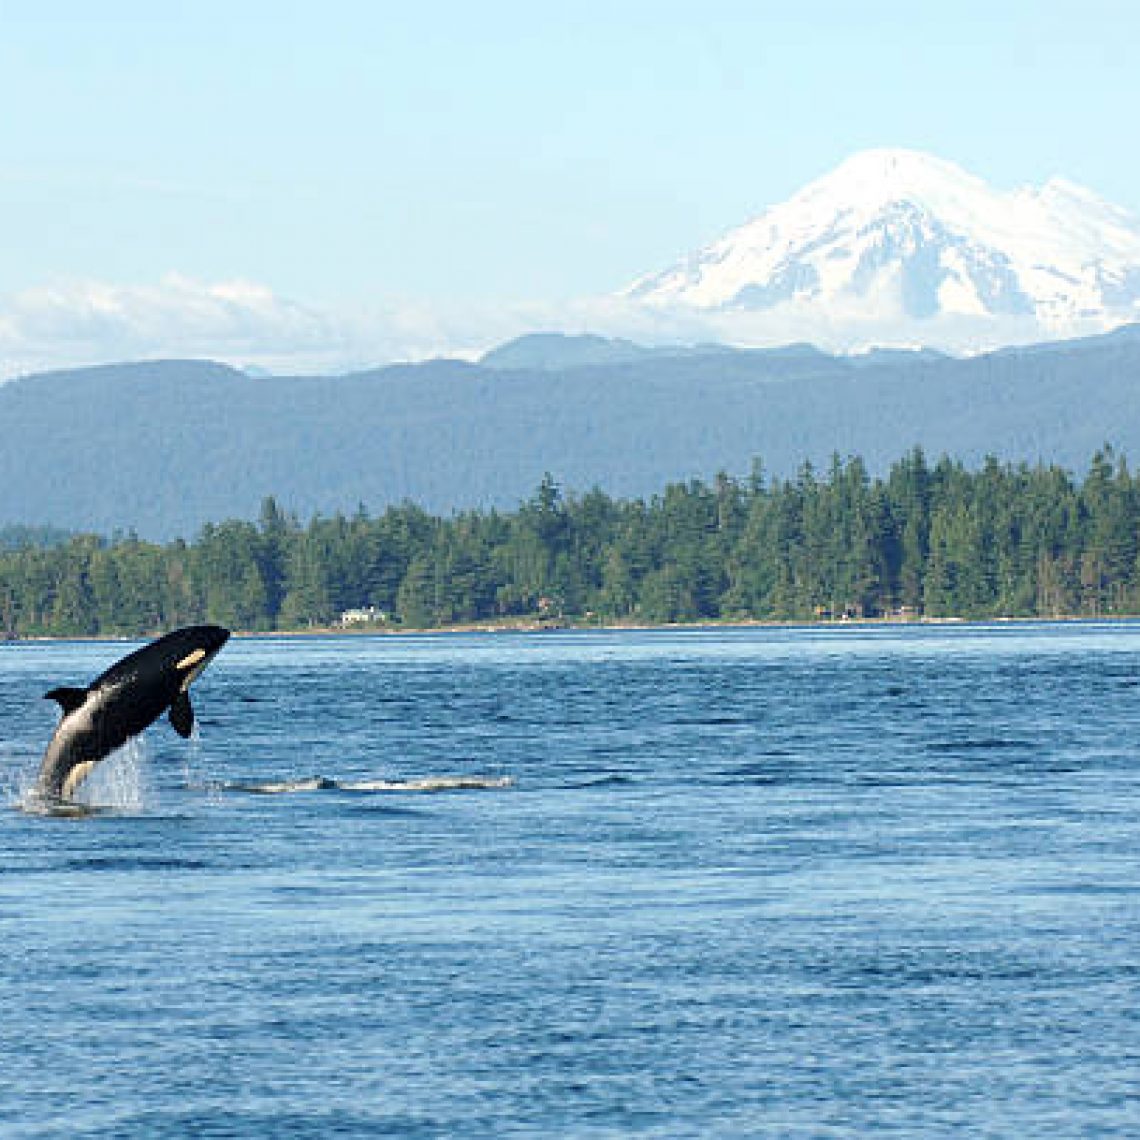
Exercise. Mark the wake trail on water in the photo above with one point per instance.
(122, 784)
(324, 784)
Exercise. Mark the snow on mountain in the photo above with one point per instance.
(898, 247)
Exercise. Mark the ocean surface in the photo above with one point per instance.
(814, 882)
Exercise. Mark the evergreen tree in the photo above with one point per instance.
(942, 540)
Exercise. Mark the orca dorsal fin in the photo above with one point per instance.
(69, 699)
(182, 715)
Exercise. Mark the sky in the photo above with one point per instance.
(312, 186)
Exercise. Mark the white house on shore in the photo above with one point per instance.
(369, 615)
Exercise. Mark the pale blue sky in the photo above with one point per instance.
(346, 151)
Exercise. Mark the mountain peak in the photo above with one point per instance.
(888, 174)
(899, 246)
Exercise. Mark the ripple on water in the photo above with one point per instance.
(770, 882)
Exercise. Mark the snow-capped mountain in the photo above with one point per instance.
(897, 247)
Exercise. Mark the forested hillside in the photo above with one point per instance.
(934, 539)
(162, 448)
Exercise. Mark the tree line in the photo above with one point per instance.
(927, 539)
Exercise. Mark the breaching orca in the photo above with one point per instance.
(121, 702)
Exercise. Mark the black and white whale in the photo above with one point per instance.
(121, 702)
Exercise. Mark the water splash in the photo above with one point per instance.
(17, 778)
(196, 773)
(121, 782)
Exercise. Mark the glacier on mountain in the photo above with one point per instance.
(898, 247)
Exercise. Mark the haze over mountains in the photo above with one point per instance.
(897, 247)
(163, 447)
(892, 248)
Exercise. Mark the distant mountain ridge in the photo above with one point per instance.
(163, 447)
(556, 351)
(911, 249)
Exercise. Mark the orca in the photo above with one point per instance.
(324, 784)
(131, 695)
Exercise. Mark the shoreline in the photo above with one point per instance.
(539, 626)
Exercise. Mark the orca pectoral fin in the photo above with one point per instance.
(182, 715)
(69, 699)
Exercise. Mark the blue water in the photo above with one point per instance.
(786, 882)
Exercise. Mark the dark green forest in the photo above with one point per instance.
(928, 539)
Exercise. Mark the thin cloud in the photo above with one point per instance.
(91, 322)
(239, 322)
(248, 325)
